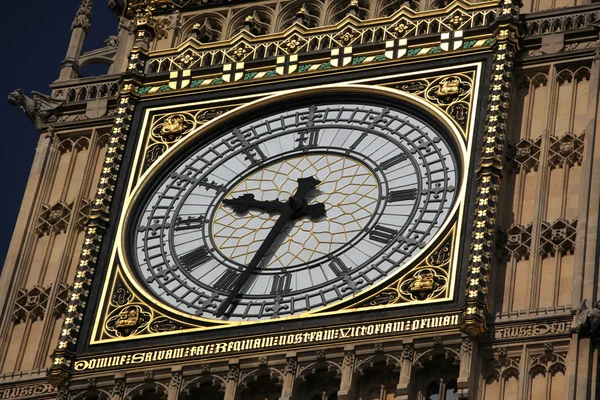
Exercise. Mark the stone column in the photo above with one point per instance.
(79, 29)
(408, 352)
(175, 384)
(233, 377)
(466, 382)
(124, 46)
(289, 376)
(345, 392)
(118, 390)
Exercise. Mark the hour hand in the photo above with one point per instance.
(247, 201)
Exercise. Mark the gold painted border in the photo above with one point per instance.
(464, 141)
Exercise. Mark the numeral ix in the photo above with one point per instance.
(195, 258)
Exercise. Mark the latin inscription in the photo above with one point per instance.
(271, 341)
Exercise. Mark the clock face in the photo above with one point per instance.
(294, 211)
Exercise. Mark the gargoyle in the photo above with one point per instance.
(38, 109)
(588, 318)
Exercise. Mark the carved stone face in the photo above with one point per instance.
(15, 98)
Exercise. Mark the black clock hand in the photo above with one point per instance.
(247, 201)
(293, 209)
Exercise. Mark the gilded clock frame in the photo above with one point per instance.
(450, 232)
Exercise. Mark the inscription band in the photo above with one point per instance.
(266, 342)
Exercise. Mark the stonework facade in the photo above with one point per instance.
(505, 306)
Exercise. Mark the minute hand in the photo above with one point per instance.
(283, 219)
(292, 209)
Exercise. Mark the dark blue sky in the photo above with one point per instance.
(36, 34)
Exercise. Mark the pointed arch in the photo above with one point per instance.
(262, 19)
(311, 9)
(209, 25)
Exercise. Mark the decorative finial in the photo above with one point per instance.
(248, 22)
(83, 16)
(353, 7)
(301, 14)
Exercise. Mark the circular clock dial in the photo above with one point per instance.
(294, 211)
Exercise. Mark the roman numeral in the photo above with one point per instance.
(338, 267)
(227, 281)
(189, 223)
(281, 283)
(210, 185)
(195, 258)
(393, 161)
(308, 138)
(253, 153)
(402, 195)
(382, 234)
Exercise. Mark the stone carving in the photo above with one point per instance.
(31, 303)
(234, 373)
(549, 363)
(205, 368)
(525, 155)
(561, 22)
(566, 151)
(531, 330)
(176, 379)
(518, 241)
(83, 16)
(588, 319)
(291, 366)
(349, 358)
(16, 392)
(558, 237)
(503, 367)
(62, 300)
(112, 41)
(408, 352)
(467, 346)
(54, 218)
(119, 388)
(37, 108)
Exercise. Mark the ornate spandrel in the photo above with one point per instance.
(127, 316)
(167, 129)
(451, 93)
(428, 280)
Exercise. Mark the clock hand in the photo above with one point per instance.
(294, 208)
(247, 201)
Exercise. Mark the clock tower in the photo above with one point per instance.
(302, 199)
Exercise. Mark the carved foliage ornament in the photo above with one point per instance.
(168, 129)
(425, 282)
(127, 316)
(451, 93)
